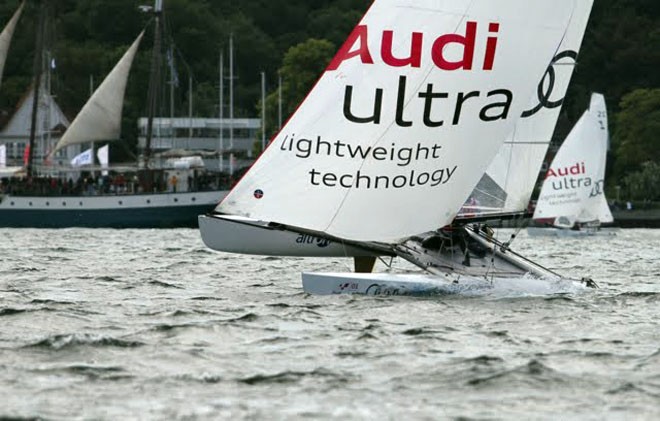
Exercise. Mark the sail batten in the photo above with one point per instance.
(6, 36)
(100, 117)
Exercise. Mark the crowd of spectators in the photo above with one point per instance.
(109, 185)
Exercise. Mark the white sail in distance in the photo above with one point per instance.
(596, 208)
(573, 189)
(508, 184)
(5, 38)
(100, 117)
(405, 119)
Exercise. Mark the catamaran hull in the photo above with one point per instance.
(477, 266)
(376, 284)
(163, 210)
(387, 284)
(558, 232)
(245, 236)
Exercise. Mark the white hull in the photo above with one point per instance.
(233, 234)
(375, 283)
(560, 232)
(451, 268)
(388, 284)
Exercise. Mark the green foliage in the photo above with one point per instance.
(637, 135)
(643, 185)
(620, 53)
(302, 66)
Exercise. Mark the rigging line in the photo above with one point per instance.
(508, 168)
(388, 265)
(495, 237)
(507, 250)
(521, 223)
(343, 246)
(491, 265)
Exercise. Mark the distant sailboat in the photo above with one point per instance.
(393, 138)
(572, 200)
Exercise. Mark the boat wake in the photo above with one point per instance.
(525, 286)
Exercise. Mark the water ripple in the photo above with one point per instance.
(59, 342)
(180, 332)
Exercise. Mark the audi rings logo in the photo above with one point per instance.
(322, 242)
(597, 190)
(547, 84)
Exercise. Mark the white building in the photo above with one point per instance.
(189, 136)
(51, 124)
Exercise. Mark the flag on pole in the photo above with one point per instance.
(103, 154)
(26, 155)
(84, 158)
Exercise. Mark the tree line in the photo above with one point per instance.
(294, 40)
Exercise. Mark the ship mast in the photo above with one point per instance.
(37, 68)
(154, 78)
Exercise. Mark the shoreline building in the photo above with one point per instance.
(184, 136)
(51, 125)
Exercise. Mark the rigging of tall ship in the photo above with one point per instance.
(62, 174)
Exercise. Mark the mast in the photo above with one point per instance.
(231, 94)
(263, 111)
(173, 81)
(47, 124)
(221, 112)
(279, 102)
(91, 92)
(190, 110)
(37, 68)
(152, 99)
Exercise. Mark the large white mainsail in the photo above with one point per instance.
(507, 185)
(100, 117)
(573, 188)
(406, 118)
(5, 38)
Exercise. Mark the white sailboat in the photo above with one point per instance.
(388, 145)
(572, 200)
(100, 121)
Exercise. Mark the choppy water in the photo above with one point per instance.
(110, 324)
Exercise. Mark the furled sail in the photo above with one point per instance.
(507, 185)
(6, 36)
(406, 118)
(100, 117)
(573, 188)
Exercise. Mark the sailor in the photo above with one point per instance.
(173, 182)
